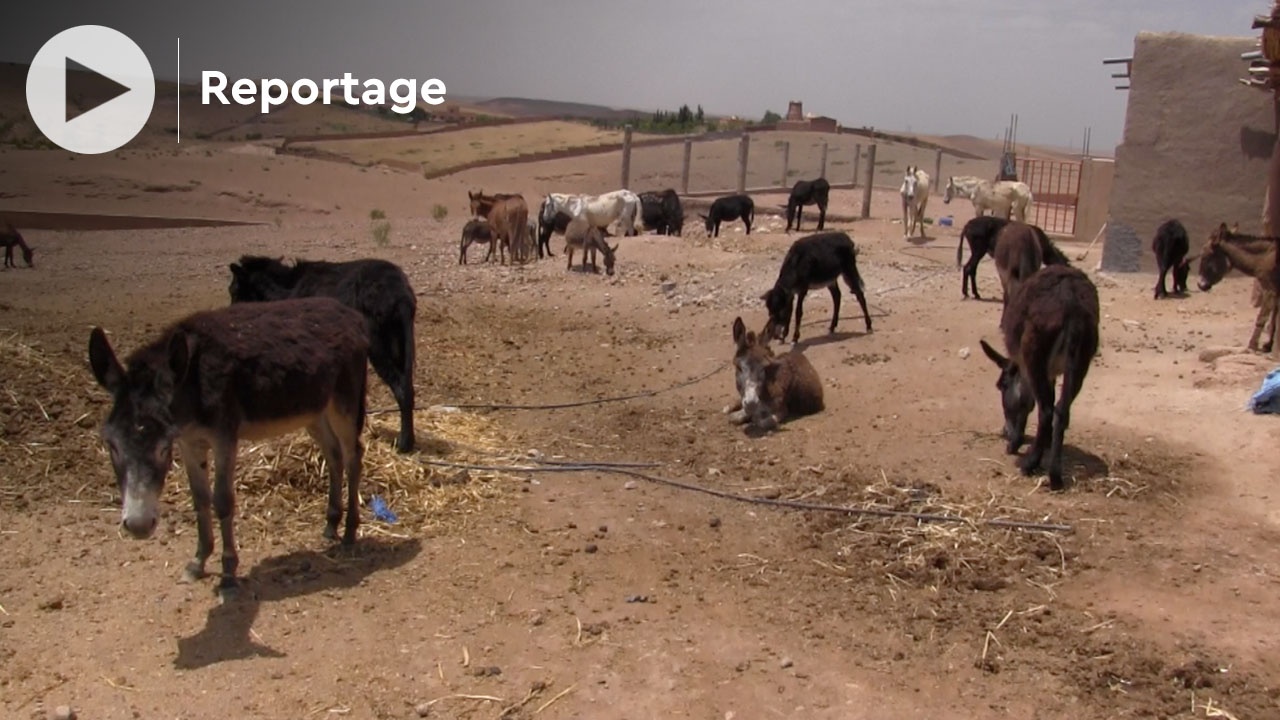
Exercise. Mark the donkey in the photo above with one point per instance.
(1253, 255)
(9, 237)
(476, 230)
(771, 389)
(508, 215)
(1170, 246)
(1020, 251)
(915, 198)
(727, 208)
(378, 289)
(662, 212)
(217, 377)
(813, 262)
(1007, 198)
(1052, 330)
(981, 233)
(589, 242)
(808, 192)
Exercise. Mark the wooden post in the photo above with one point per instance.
(684, 167)
(823, 173)
(626, 157)
(743, 145)
(937, 174)
(786, 161)
(871, 177)
(857, 162)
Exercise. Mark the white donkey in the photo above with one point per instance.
(915, 197)
(1007, 198)
(594, 211)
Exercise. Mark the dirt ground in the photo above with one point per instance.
(526, 594)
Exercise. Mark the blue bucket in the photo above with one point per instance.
(945, 221)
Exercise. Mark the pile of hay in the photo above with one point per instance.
(50, 450)
(969, 554)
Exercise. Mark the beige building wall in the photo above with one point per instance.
(1196, 145)
(1096, 179)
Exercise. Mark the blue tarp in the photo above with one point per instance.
(381, 511)
(1267, 400)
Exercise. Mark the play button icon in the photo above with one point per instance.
(109, 107)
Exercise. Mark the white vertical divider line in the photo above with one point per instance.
(179, 90)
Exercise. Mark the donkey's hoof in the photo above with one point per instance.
(1056, 482)
(193, 572)
(229, 590)
(1028, 464)
(331, 531)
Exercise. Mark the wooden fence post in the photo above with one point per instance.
(786, 161)
(937, 173)
(626, 157)
(857, 162)
(684, 168)
(871, 177)
(823, 172)
(743, 146)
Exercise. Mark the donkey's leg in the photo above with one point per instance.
(224, 506)
(852, 279)
(971, 273)
(347, 428)
(1042, 387)
(795, 336)
(195, 457)
(822, 216)
(324, 435)
(1264, 314)
(1160, 285)
(1072, 381)
(835, 306)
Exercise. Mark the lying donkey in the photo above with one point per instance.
(771, 388)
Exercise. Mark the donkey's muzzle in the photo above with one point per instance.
(141, 527)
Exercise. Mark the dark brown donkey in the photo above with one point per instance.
(1250, 254)
(9, 237)
(1051, 329)
(242, 372)
(508, 217)
(771, 388)
(378, 289)
(1022, 249)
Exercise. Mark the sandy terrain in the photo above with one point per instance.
(526, 594)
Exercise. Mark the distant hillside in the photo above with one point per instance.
(529, 107)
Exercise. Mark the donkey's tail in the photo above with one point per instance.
(960, 249)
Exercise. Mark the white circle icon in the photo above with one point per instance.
(108, 120)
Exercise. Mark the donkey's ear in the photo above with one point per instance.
(1001, 361)
(106, 368)
(615, 247)
(179, 355)
(236, 269)
(739, 330)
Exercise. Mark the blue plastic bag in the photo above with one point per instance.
(381, 511)
(1267, 400)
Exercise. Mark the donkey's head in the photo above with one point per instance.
(1214, 262)
(754, 365)
(909, 183)
(950, 191)
(779, 302)
(139, 430)
(259, 279)
(610, 256)
(1015, 396)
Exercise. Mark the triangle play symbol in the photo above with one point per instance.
(113, 88)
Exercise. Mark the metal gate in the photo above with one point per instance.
(1055, 190)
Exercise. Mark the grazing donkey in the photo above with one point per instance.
(1052, 330)
(1170, 246)
(813, 262)
(9, 237)
(1020, 251)
(217, 377)
(727, 208)
(376, 288)
(589, 242)
(771, 388)
(981, 233)
(1253, 255)
(808, 192)
(476, 230)
(915, 198)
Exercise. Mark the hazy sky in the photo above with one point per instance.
(933, 66)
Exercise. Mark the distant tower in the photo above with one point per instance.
(795, 111)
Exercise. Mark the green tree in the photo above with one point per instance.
(771, 117)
